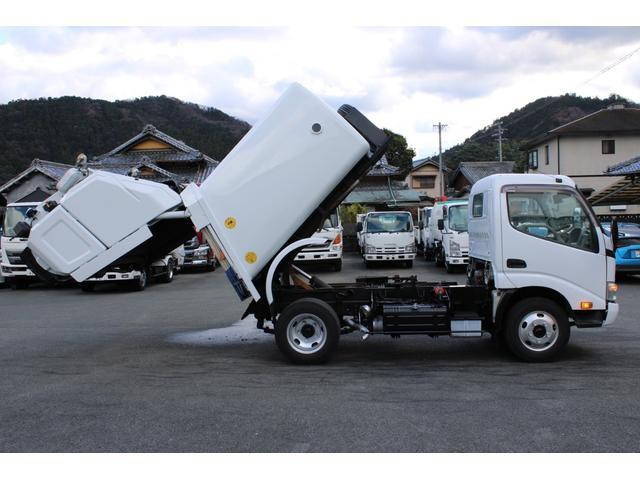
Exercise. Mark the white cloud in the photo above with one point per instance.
(405, 79)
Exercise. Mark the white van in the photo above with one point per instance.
(388, 236)
(449, 233)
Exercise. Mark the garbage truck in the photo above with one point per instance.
(537, 268)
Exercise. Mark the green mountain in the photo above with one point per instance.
(57, 129)
(530, 121)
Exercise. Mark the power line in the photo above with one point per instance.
(552, 101)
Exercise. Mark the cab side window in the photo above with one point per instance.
(478, 205)
(553, 215)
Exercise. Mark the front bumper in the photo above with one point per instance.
(457, 260)
(388, 257)
(322, 256)
(195, 262)
(11, 270)
(116, 277)
(628, 267)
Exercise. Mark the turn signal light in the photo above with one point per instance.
(586, 305)
(337, 240)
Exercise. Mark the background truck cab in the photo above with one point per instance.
(422, 231)
(388, 236)
(16, 273)
(448, 230)
(330, 252)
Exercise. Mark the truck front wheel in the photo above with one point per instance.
(307, 331)
(140, 283)
(536, 329)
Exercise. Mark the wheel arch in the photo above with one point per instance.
(514, 296)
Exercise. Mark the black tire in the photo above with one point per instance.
(448, 267)
(439, 258)
(140, 283)
(408, 264)
(322, 324)
(367, 264)
(167, 277)
(516, 327)
(337, 266)
(87, 286)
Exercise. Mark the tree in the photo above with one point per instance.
(398, 152)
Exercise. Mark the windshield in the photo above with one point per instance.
(554, 215)
(331, 221)
(458, 220)
(389, 223)
(12, 216)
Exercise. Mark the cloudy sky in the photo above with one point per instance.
(405, 79)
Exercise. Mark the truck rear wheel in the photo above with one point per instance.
(536, 329)
(87, 286)
(307, 331)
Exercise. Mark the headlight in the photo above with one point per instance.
(612, 291)
(369, 249)
(411, 248)
(454, 249)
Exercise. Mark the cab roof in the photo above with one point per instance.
(497, 181)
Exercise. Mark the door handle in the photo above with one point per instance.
(516, 263)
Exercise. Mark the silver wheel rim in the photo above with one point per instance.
(538, 331)
(306, 333)
(143, 279)
(170, 273)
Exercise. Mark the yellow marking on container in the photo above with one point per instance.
(230, 222)
(251, 257)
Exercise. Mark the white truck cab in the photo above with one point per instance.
(359, 233)
(539, 262)
(448, 234)
(16, 273)
(388, 236)
(329, 252)
(422, 232)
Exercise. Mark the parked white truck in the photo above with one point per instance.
(330, 252)
(536, 269)
(16, 274)
(422, 232)
(388, 236)
(448, 234)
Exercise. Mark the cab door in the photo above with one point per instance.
(549, 239)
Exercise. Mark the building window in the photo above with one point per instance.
(424, 181)
(477, 204)
(546, 154)
(533, 159)
(608, 147)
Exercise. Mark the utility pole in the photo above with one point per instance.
(499, 135)
(440, 126)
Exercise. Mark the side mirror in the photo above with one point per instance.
(440, 224)
(420, 224)
(359, 227)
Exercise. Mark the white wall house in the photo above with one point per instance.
(584, 148)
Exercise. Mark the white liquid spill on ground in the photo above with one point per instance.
(242, 331)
